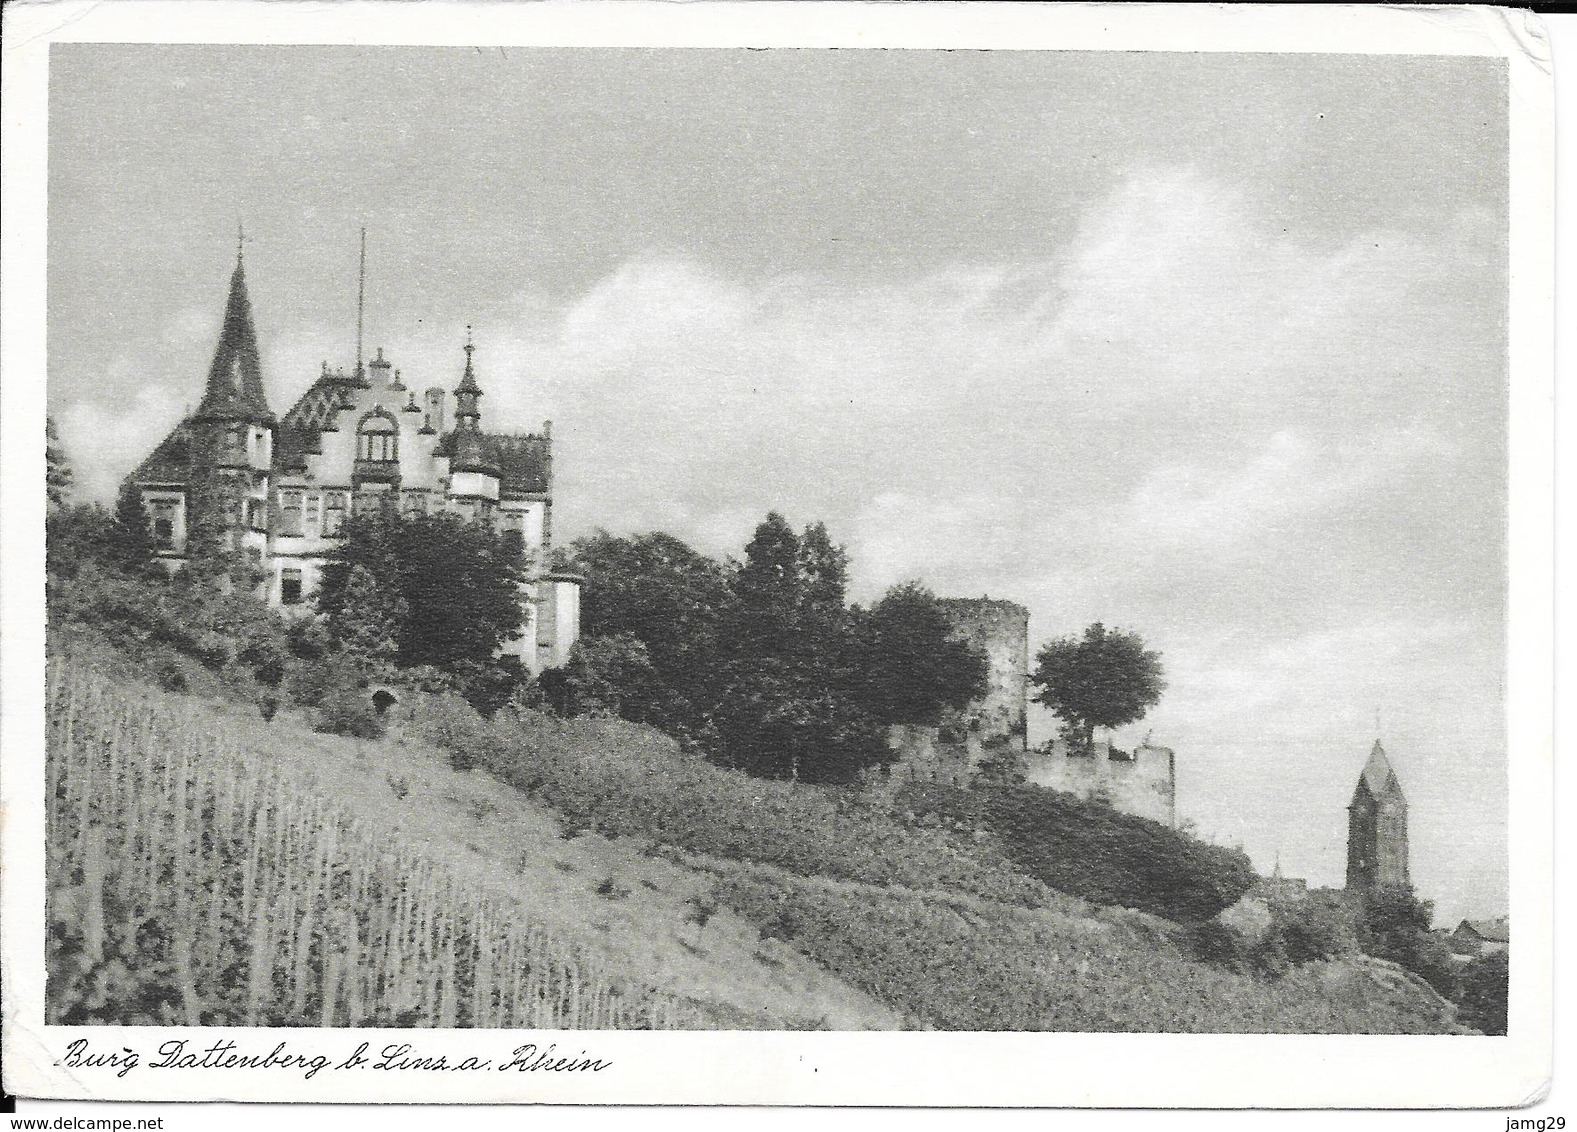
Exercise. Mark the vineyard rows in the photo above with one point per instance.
(188, 884)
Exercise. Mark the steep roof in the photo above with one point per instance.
(171, 461)
(235, 379)
(524, 463)
(1498, 931)
(301, 431)
(1378, 777)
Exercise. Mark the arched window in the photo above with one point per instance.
(377, 440)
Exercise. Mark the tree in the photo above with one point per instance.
(80, 534)
(1394, 924)
(657, 590)
(912, 666)
(1106, 679)
(57, 473)
(602, 672)
(763, 664)
(366, 623)
(457, 579)
(75, 536)
(767, 588)
(131, 536)
(823, 570)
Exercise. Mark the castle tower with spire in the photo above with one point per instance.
(1377, 828)
(278, 491)
(206, 487)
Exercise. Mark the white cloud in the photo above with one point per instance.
(104, 442)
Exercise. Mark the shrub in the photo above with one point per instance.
(168, 672)
(487, 687)
(1109, 857)
(317, 681)
(1211, 941)
(1311, 929)
(610, 889)
(221, 643)
(348, 711)
(268, 660)
(1483, 987)
(1394, 925)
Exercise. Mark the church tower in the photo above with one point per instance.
(1377, 828)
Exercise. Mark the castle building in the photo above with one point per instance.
(1141, 782)
(1377, 828)
(278, 490)
(996, 722)
(992, 727)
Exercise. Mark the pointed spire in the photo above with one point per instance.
(467, 413)
(1378, 776)
(468, 382)
(235, 378)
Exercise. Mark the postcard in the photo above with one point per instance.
(931, 553)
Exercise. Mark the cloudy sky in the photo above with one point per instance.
(1207, 346)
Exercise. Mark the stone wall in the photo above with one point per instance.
(1142, 782)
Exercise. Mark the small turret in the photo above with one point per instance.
(379, 368)
(434, 420)
(468, 394)
(472, 453)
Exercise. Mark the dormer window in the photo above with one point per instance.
(377, 441)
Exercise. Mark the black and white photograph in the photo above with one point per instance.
(542, 539)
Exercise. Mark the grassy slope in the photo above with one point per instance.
(500, 840)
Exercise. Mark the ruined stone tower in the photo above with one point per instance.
(1377, 828)
(996, 722)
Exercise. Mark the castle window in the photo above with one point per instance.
(333, 513)
(370, 503)
(256, 516)
(290, 586)
(377, 440)
(290, 514)
(514, 535)
(314, 510)
(164, 523)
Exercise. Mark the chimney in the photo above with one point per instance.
(434, 421)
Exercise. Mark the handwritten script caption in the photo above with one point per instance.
(396, 1057)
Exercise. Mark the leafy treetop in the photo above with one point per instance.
(1107, 678)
